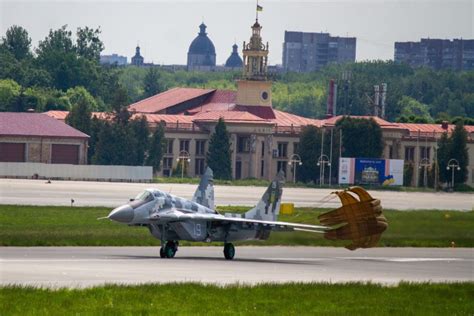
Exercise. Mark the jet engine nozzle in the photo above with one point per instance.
(122, 214)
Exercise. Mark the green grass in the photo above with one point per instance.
(264, 299)
(78, 226)
(265, 183)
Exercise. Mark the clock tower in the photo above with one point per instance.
(254, 90)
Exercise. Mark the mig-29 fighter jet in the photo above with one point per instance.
(171, 218)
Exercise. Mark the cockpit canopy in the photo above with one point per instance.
(145, 197)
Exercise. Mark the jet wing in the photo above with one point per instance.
(224, 219)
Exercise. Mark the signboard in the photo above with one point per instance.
(370, 171)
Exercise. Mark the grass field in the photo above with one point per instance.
(78, 226)
(266, 299)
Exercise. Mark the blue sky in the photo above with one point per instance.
(165, 29)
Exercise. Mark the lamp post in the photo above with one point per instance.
(424, 163)
(453, 163)
(294, 159)
(183, 157)
(322, 161)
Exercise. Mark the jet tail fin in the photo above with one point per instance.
(204, 194)
(268, 207)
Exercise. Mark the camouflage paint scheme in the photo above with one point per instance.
(171, 218)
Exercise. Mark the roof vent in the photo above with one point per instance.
(444, 125)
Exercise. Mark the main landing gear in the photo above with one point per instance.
(229, 251)
(169, 250)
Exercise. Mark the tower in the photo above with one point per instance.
(137, 60)
(254, 90)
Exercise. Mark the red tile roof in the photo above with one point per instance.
(167, 118)
(229, 117)
(414, 128)
(169, 98)
(264, 112)
(209, 107)
(288, 119)
(36, 124)
(381, 122)
(223, 96)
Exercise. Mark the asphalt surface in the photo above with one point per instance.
(89, 266)
(38, 192)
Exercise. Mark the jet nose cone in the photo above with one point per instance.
(122, 214)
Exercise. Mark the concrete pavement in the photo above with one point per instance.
(38, 192)
(89, 266)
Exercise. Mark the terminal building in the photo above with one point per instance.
(263, 139)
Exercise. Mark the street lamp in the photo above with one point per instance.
(183, 157)
(322, 161)
(453, 163)
(294, 159)
(424, 163)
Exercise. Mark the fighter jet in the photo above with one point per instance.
(171, 218)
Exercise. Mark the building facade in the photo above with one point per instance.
(34, 137)
(113, 59)
(456, 54)
(304, 52)
(137, 59)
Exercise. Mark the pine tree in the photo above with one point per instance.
(459, 152)
(150, 83)
(309, 149)
(139, 129)
(80, 116)
(96, 127)
(156, 148)
(444, 148)
(218, 156)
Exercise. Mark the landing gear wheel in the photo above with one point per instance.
(170, 249)
(229, 251)
(162, 253)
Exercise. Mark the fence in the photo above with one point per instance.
(32, 170)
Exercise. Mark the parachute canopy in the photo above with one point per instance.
(359, 219)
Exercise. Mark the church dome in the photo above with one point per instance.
(202, 45)
(234, 60)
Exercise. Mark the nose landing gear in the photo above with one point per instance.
(229, 251)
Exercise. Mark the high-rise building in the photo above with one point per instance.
(457, 54)
(303, 52)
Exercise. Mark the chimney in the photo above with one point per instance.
(444, 125)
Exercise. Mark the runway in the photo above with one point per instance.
(38, 192)
(89, 266)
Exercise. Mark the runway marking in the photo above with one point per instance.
(371, 258)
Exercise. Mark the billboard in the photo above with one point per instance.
(370, 171)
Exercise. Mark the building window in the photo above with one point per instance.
(262, 168)
(200, 147)
(169, 146)
(409, 153)
(199, 166)
(184, 145)
(243, 144)
(282, 150)
(281, 165)
(167, 166)
(425, 152)
(295, 148)
(390, 152)
(263, 148)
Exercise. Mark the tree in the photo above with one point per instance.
(361, 138)
(139, 129)
(95, 129)
(89, 45)
(411, 107)
(459, 152)
(120, 106)
(150, 82)
(79, 94)
(309, 151)
(9, 92)
(80, 116)
(156, 146)
(218, 156)
(17, 42)
(443, 154)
